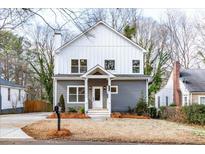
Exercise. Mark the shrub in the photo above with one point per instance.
(62, 103)
(141, 107)
(173, 104)
(152, 112)
(130, 110)
(82, 110)
(71, 109)
(195, 113)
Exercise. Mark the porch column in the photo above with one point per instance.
(86, 95)
(109, 96)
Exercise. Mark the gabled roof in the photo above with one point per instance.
(9, 83)
(88, 30)
(193, 79)
(95, 69)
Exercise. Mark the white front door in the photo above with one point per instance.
(97, 93)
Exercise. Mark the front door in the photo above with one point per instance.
(97, 97)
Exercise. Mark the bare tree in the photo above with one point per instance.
(182, 35)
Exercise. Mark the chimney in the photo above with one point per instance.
(176, 87)
(57, 39)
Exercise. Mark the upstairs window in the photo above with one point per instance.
(9, 94)
(185, 100)
(110, 64)
(135, 66)
(78, 65)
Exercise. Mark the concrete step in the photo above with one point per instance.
(98, 113)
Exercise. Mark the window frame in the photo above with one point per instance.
(79, 66)
(167, 100)
(19, 96)
(114, 87)
(199, 99)
(105, 64)
(9, 94)
(136, 66)
(77, 94)
(158, 101)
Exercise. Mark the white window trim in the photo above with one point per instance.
(110, 60)
(74, 86)
(78, 65)
(139, 67)
(199, 98)
(116, 89)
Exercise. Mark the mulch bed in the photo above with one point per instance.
(46, 134)
(69, 116)
(128, 115)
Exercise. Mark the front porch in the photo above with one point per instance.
(98, 92)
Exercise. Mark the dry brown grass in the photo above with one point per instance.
(69, 116)
(124, 130)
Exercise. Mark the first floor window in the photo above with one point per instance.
(158, 101)
(114, 89)
(9, 94)
(76, 94)
(135, 66)
(167, 101)
(110, 64)
(19, 95)
(202, 100)
(185, 100)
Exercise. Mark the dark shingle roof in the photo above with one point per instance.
(194, 79)
(9, 83)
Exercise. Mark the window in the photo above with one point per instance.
(9, 94)
(135, 66)
(185, 100)
(74, 66)
(110, 64)
(19, 95)
(78, 65)
(76, 94)
(167, 101)
(83, 65)
(114, 89)
(202, 100)
(158, 101)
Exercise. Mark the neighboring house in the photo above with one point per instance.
(12, 97)
(184, 87)
(100, 70)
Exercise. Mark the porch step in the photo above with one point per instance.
(94, 113)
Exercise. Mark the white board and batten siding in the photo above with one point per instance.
(14, 97)
(166, 91)
(100, 44)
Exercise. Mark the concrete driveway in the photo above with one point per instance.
(11, 124)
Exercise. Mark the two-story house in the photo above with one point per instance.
(100, 70)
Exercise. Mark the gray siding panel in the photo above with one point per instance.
(128, 94)
(62, 89)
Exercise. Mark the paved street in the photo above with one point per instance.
(11, 124)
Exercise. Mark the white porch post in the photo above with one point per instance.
(86, 95)
(109, 96)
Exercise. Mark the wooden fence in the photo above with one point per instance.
(37, 106)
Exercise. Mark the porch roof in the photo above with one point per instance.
(97, 72)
